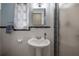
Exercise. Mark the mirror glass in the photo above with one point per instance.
(37, 18)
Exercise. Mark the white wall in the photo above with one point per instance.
(69, 30)
(11, 46)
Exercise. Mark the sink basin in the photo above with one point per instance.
(38, 42)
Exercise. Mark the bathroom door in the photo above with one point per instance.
(69, 29)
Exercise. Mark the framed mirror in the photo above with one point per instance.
(39, 15)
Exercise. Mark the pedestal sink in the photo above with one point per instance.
(38, 44)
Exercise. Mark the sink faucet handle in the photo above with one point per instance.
(45, 35)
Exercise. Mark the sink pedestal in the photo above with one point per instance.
(38, 51)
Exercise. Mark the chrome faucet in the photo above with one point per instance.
(45, 35)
